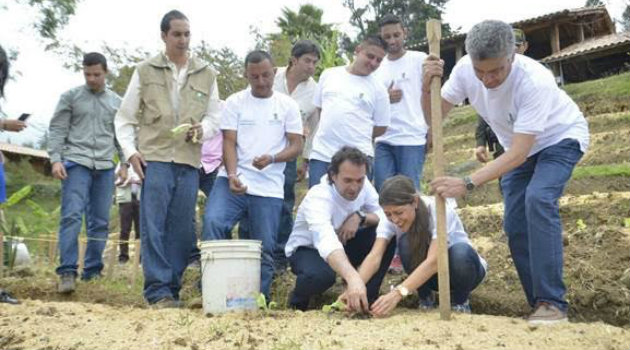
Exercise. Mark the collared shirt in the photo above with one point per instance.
(323, 211)
(82, 128)
(303, 95)
(127, 114)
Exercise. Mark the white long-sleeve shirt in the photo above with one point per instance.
(126, 120)
(323, 211)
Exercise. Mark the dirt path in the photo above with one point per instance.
(54, 325)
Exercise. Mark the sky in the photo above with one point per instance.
(40, 78)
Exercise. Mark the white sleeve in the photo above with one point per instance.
(454, 90)
(453, 223)
(229, 114)
(534, 107)
(212, 118)
(126, 119)
(293, 124)
(317, 211)
(381, 114)
(385, 228)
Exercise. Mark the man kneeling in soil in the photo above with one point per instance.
(334, 231)
(544, 134)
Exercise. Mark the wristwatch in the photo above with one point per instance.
(362, 215)
(402, 290)
(470, 185)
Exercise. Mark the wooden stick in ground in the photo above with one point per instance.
(111, 255)
(82, 247)
(52, 246)
(434, 34)
(136, 261)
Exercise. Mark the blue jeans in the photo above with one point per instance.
(286, 219)
(532, 220)
(167, 208)
(84, 192)
(464, 267)
(315, 276)
(206, 181)
(317, 169)
(263, 213)
(390, 160)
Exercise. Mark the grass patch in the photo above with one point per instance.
(604, 95)
(601, 171)
(460, 116)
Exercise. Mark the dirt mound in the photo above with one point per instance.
(76, 326)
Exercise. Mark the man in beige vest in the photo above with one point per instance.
(166, 91)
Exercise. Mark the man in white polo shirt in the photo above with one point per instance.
(544, 134)
(353, 107)
(334, 231)
(261, 131)
(401, 149)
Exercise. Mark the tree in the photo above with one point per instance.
(229, 67)
(304, 24)
(53, 15)
(593, 3)
(625, 19)
(413, 13)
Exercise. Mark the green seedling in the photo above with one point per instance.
(626, 222)
(336, 306)
(180, 129)
(261, 301)
(580, 224)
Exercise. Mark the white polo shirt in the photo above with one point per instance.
(261, 125)
(527, 102)
(303, 95)
(408, 127)
(323, 211)
(351, 106)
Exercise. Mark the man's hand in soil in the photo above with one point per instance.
(59, 171)
(355, 296)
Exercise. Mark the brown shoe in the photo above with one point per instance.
(546, 313)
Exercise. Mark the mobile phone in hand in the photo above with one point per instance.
(23, 117)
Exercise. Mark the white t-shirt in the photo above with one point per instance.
(454, 227)
(303, 95)
(324, 210)
(351, 106)
(527, 102)
(408, 127)
(261, 125)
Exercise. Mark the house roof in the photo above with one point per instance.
(581, 11)
(590, 45)
(23, 151)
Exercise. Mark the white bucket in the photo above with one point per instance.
(230, 275)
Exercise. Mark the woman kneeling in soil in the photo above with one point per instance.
(415, 229)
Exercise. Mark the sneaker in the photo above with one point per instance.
(395, 267)
(427, 303)
(463, 308)
(166, 303)
(67, 283)
(546, 313)
(5, 297)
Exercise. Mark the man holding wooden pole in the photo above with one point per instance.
(544, 134)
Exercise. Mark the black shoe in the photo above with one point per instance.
(5, 297)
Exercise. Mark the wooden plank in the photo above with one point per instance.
(136, 261)
(434, 33)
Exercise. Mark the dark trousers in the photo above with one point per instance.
(129, 214)
(315, 276)
(206, 181)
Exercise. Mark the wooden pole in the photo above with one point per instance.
(111, 254)
(434, 34)
(136, 260)
(52, 246)
(82, 247)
